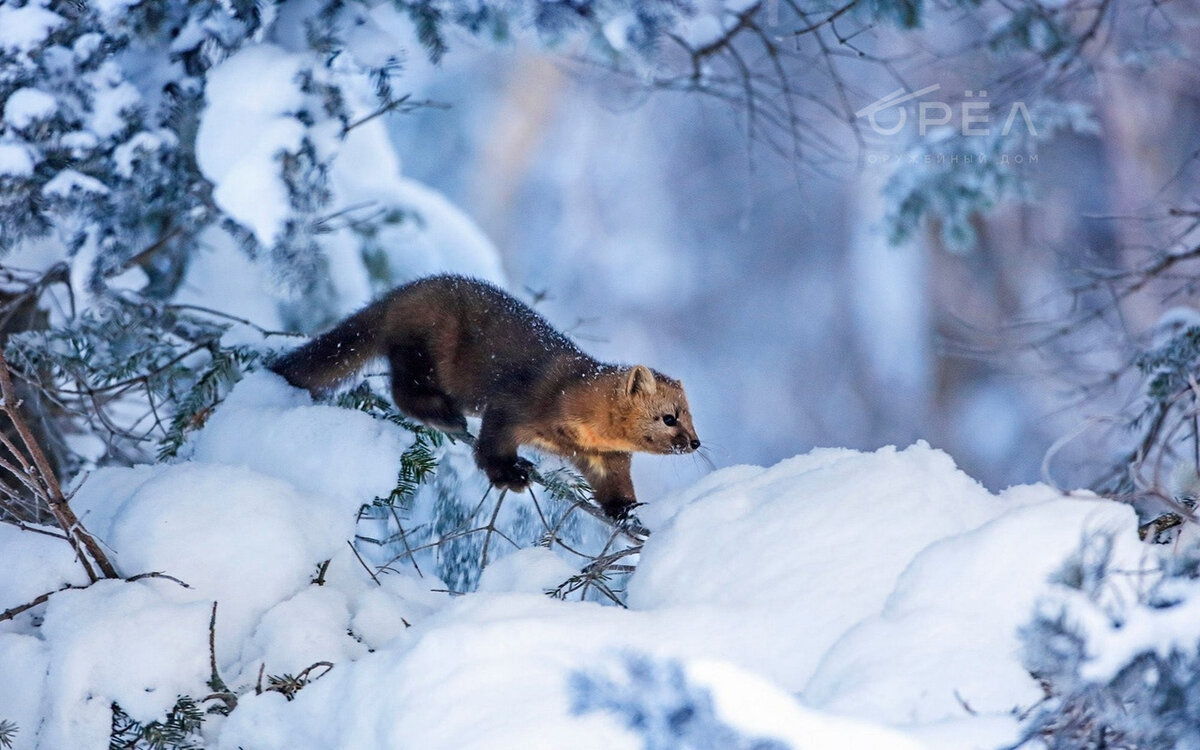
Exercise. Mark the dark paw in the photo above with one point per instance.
(619, 508)
(510, 474)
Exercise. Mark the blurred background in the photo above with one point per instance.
(655, 228)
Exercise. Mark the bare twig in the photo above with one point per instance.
(37, 474)
(220, 690)
(491, 528)
(363, 563)
(9, 614)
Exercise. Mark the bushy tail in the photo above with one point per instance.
(336, 354)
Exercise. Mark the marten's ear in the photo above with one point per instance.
(640, 381)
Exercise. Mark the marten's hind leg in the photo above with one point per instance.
(416, 391)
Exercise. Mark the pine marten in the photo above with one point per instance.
(459, 346)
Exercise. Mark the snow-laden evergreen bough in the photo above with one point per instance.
(1118, 652)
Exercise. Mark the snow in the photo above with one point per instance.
(112, 9)
(33, 564)
(758, 708)
(769, 571)
(25, 28)
(739, 6)
(113, 98)
(257, 91)
(947, 634)
(831, 517)
(179, 520)
(701, 30)
(838, 599)
(1114, 642)
(249, 120)
(309, 627)
(443, 238)
(272, 428)
(140, 644)
(79, 142)
(219, 269)
(68, 181)
(435, 237)
(141, 143)
(504, 661)
(23, 682)
(617, 30)
(531, 571)
(15, 160)
(28, 106)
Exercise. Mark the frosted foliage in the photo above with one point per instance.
(121, 95)
(1118, 650)
(146, 134)
(953, 176)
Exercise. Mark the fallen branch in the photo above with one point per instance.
(220, 690)
(9, 614)
(33, 472)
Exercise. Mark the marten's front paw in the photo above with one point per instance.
(509, 474)
(618, 507)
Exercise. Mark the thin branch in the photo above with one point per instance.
(44, 483)
(363, 563)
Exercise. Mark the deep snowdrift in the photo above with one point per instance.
(819, 600)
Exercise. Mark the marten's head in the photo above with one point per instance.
(655, 413)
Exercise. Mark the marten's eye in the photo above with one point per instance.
(669, 420)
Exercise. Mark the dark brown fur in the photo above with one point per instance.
(459, 346)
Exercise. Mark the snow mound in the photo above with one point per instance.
(894, 577)
(881, 588)
(947, 635)
(276, 430)
(805, 549)
(235, 536)
(140, 645)
(34, 564)
(502, 666)
(271, 489)
(529, 571)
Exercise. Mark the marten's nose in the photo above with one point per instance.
(695, 444)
